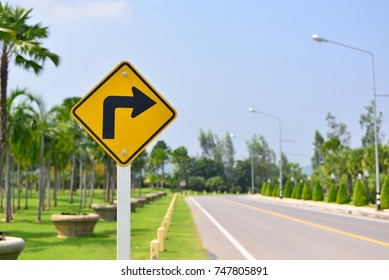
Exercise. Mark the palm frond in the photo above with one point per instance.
(28, 64)
(6, 34)
(16, 93)
(23, 39)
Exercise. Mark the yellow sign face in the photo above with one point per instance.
(123, 113)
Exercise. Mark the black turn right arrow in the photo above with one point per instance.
(140, 102)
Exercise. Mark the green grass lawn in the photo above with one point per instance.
(41, 242)
(183, 241)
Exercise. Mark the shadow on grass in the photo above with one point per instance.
(36, 241)
(141, 231)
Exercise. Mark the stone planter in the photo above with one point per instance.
(74, 225)
(106, 212)
(10, 247)
(140, 200)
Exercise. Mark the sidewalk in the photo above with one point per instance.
(331, 207)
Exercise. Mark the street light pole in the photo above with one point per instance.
(319, 39)
(252, 174)
(252, 165)
(280, 127)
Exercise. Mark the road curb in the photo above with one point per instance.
(331, 207)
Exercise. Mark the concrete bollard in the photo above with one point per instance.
(154, 250)
(163, 224)
(161, 239)
(167, 220)
(169, 216)
(157, 246)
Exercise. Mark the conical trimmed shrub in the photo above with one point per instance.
(288, 189)
(342, 196)
(360, 196)
(299, 191)
(269, 190)
(307, 192)
(263, 189)
(332, 194)
(385, 194)
(276, 190)
(318, 192)
(294, 192)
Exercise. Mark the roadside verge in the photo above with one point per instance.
(325, 206)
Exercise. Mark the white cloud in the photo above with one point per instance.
(85, 10)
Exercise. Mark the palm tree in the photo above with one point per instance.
(20, 43)
(19, 130)
(62, 115)
(159, 156)
(58, 146)
(13, 126)
(45, 131)
(137, 170)
(61, 145)
(181, 160)
(96, 155)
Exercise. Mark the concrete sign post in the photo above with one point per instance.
(123, 212)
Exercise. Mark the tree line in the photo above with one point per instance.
(215, 168)
(334, 161)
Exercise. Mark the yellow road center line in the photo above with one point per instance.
(356, 236)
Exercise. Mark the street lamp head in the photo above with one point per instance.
(318, 39)
(252, 110)
(232, 135)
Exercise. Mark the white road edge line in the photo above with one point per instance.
(234, 242)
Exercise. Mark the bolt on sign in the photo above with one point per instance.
(123, 113)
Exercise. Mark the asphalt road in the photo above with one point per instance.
(242, 227)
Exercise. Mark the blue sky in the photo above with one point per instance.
(212, 60)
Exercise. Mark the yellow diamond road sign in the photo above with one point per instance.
(123, 113)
